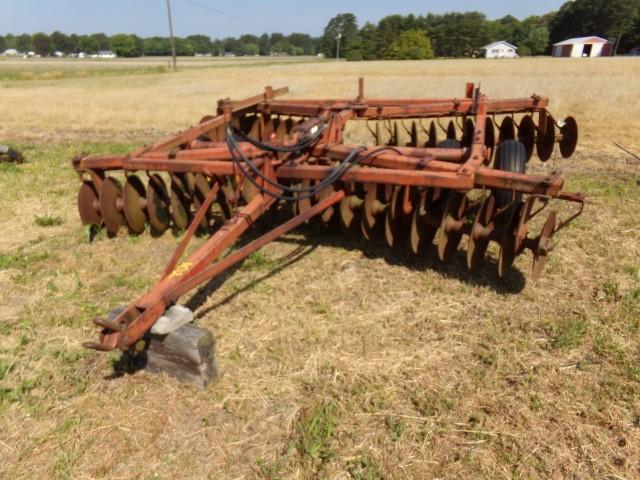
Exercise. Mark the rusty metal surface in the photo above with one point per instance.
(412, 183)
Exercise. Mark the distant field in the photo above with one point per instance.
(340, 359)
(60, 104)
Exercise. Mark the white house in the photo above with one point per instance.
(500, 49)
(583, 47)
(106, 54)
(11, 52)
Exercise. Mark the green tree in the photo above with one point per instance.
(41, 44)
(217, 48)
(125, 45)
(369, 42)
(265, 44)
(10, 41)
(302, 41)
(156, 46)
(536, 42)
(345, 25)
(88, 44)
(410, 45)
(200, 43)
(102, 41)
(73, 43)
(184, 47)
(3, 45)
(23, 43)
(283, 48)
(59, 42)
(251, 49)
(389, 29)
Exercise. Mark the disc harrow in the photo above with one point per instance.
(434, 174)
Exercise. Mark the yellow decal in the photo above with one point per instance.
(181, 270)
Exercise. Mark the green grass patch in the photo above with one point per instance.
(568, 334)
(48, 221)
(315, 431)
(395, 427)
(21, 261)
(605, 187)
(256, 261)
(5, 369)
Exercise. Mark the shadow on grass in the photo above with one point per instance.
(200, 297)
(486, 275)
(314, 235)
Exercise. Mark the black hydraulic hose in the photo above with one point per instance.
(303, 193)
(304, 143)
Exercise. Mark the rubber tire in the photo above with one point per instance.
(511, 156)
(449, 143)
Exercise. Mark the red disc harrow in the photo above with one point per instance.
(437, 172)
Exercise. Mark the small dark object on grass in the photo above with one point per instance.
(8, 154)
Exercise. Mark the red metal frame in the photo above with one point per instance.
(202, 150)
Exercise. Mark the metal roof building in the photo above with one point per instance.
(583, 47)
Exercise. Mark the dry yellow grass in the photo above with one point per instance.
(340, 359)
(601, 92)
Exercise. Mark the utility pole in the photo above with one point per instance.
(339, 36)
(173, 40)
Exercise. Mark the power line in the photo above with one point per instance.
(228, 15)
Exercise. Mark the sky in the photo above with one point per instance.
(219, 19)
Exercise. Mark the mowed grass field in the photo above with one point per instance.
(339, 358)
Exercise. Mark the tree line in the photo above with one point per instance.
(393, 37)
(127, 45)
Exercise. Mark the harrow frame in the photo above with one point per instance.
(248, 160)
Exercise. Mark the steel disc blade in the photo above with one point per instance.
(468, 132)
(180, 204)
(397, 222)
(269, 128)
(134, 204)
(507, 254)
(422, 231)
(478, 240)
(158, 203)
(280, 128)
(413, 133)
(433, 136)
(202, 186)
(507, 130)
(305, 203)
(449, 237)
(348, 211)
(452, 134)
(543, 247)
(247, 122)
(289, 125)
(527, 134)
(329, 214)
(88, 204)
(546, 139)
(393, 135)
(569, 141)
(111, 204)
